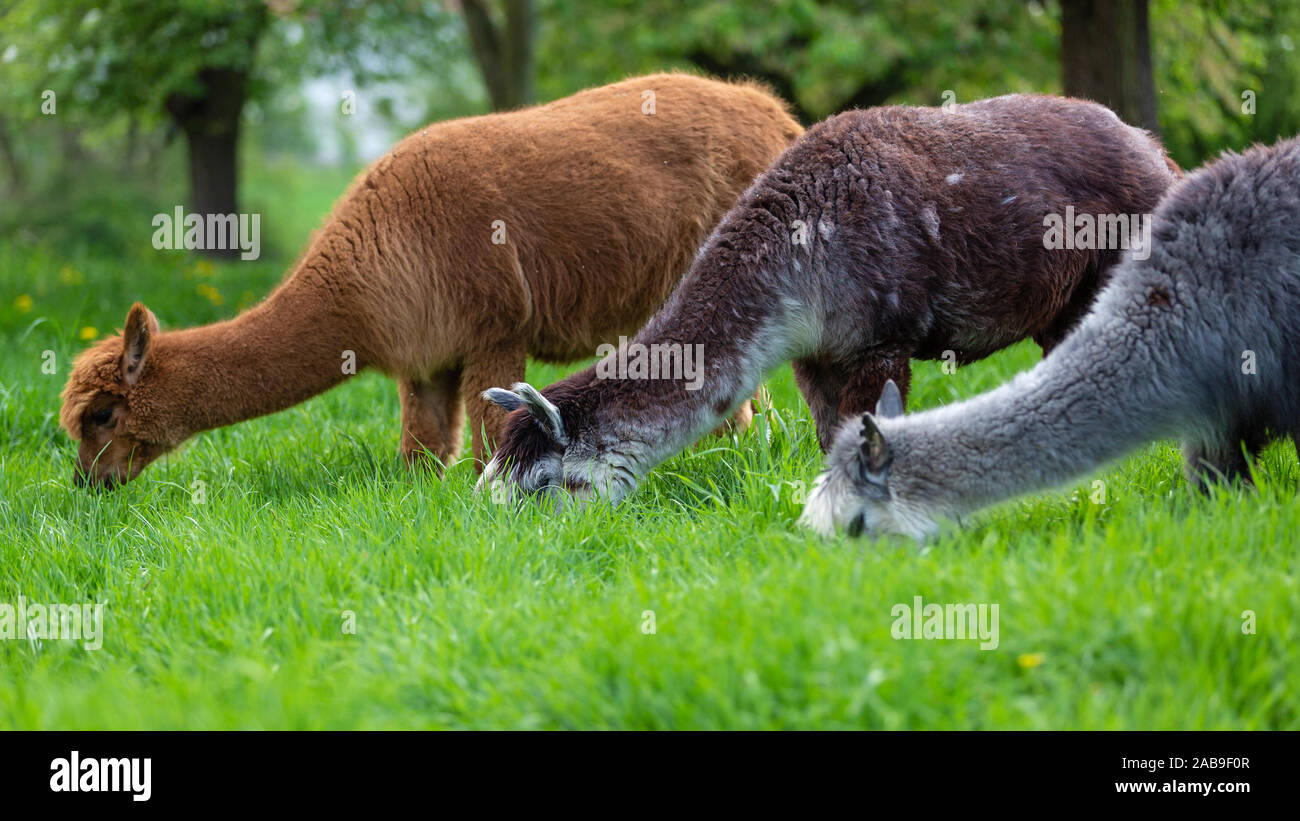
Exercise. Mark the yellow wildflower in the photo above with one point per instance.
(213, 295)
(1029, 661)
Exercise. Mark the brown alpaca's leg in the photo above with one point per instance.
(499, 369)
(1211, 463)
(431, 420)
(744, 415)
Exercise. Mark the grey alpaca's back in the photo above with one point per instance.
(1222, 291)
(1200, 341)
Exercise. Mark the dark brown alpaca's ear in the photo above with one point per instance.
(523, 395)
(503, 398)
(543, 410)
(137, 336)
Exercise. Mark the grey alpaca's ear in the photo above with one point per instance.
(876, 455)
(503, 398)
(542, 410)
(890, 403)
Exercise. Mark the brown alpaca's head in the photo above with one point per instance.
(117, 438)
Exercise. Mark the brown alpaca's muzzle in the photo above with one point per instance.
(82, 479)
(111, 466)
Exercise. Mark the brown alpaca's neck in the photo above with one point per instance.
(298, 343)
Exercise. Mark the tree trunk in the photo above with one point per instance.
(213, 171)
(12, 163)
(504, 53)
(210, 122)
(1106, 56)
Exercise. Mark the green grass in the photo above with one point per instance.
(229, 613)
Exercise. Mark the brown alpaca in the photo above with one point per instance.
(470, 246)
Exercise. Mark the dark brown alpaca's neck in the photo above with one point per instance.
(740, 313)
(299, 342)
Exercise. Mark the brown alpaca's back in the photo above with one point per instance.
(469, 247)
(543, 232)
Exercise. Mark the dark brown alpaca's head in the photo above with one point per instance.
(116, 439)
(553, 454)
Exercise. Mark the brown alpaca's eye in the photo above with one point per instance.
(101, 417)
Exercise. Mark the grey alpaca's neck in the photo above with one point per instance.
(1094, 400)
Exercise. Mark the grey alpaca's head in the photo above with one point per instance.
(545, 454)
(854, 492)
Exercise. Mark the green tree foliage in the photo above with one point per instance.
(823, 57)
(828, 56)
(130, 75)
(1227, 73)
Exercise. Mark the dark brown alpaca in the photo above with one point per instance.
(470, 246)
(879, 236)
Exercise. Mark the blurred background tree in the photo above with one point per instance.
(504, 50)
(1106, 56)
(139, 73)
(110, 109)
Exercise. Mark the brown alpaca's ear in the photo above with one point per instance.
(137, 336)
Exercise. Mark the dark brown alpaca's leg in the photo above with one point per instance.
(431, 420)
(1211, 463)
(1051, 337)
(499, 369)
(1061, 326)
(1092, 281)
(1222, 461)
(866, 384)
(835, 392)
(821, 384)
(1295, 443)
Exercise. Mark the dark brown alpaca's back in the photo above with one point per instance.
(963, 267)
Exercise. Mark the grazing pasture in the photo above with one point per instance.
(289, 573)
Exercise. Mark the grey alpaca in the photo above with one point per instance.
(879, 236)
(1201, 341)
